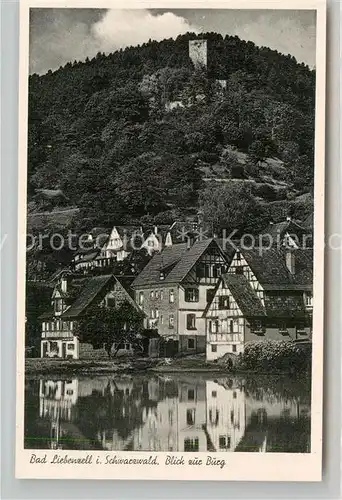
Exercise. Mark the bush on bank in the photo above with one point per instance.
(276, 356)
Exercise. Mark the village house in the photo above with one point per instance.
(266, 294)
(71, 297)
(174, 288)
(103, 248)
(287, 233)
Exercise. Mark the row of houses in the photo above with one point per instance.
(197, 296)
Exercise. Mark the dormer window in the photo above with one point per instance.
(161, 276)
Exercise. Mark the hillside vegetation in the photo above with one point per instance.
(101, 132)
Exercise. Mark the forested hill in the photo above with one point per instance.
(102, 132)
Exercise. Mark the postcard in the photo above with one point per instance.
(171, 228)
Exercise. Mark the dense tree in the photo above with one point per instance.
(100, 131)
(106, 326)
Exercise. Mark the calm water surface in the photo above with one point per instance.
(193, 413)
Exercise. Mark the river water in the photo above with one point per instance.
(183, 412)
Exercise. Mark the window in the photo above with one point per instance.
(191, 444)
(213, 347)
(157, 294)
(213, 326)
(223, 302)
(214, 416)
(171, 296)
(110, 302)
(232, 416)
(70, 392)
(191, 295)
(71, 347)
(238, 256)
(121, 346)
(239, 270)
(210, 295)
(231, 326)
(161, 319)
(234, 347)
(191, 321)
(171, 321)
(257, 327)
(191, 344)
(156, 313)
(161, 276)
(141, 298)
(150, 243)
(152, 294)
(234, 394)
(191, 395)
(152, 315)
(190, 417)
(213, 394)
(283, 329)
(308, 299)
(161, 294)
(224, 442)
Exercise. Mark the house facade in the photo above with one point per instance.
(71, 297)
(264, 295)
(174, 288)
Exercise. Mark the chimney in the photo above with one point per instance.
(290, 261)
(191, 238)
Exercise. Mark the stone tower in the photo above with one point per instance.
(198, 52)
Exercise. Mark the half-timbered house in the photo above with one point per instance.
(70, 300)
(174, 288)
(266, 294)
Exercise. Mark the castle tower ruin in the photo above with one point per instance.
(198, 53)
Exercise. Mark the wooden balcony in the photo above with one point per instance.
(58, 335)
(225, 337)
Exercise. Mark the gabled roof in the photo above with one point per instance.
(243, 293)
(169, 257)
(281, 228)
(92, 288)
(175, 262)
(269, 267)
(188, 260)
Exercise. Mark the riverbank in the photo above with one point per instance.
(192, 363)
(196, 363)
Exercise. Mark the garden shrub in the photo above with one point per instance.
(276, 356)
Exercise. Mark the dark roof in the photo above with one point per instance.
(126, 282)
(188, 260)
(150, 275)
(92, 288)
(275, 232)
(269, 267)
(243, 293)
(47, 315)
(175, 261)
(285, 304)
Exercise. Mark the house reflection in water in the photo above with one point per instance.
(185, 414)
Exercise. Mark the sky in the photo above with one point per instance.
(61, 35)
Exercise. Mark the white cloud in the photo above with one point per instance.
(122, 28)
(65, 39)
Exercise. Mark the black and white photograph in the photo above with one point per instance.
(173, 212)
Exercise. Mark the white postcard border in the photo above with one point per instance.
(239, 466)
